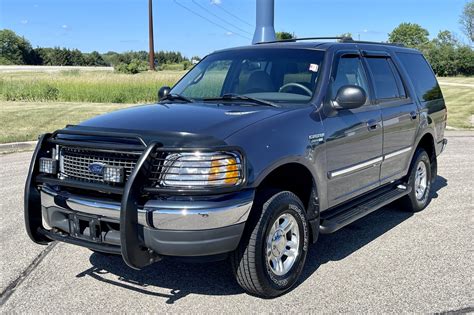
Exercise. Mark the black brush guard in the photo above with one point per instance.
(134, 253)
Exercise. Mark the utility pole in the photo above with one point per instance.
(150, 34)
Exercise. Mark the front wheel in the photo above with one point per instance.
(272, 253)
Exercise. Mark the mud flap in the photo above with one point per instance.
(133, 251)
(32, 197)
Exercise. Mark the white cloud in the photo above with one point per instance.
(229, 33)
(64, 26)
(24, 21)
(216, 2)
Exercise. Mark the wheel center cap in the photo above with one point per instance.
(278, 243)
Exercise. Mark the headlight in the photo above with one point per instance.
(202, 169)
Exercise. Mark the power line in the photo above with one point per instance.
(210, 21)
(221, 19)
(232, 14)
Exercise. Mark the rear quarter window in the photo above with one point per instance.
(385, 79)
(421, 75)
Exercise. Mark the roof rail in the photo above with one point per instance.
(350, 40)
(343, 39)
(307, 38)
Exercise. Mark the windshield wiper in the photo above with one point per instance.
(177, 97)
(238, 97)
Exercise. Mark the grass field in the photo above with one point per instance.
(23, 121)
(461, 80)
(35, 102)
(84, 86)
(459, 101)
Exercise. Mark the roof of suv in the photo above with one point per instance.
(324, 45)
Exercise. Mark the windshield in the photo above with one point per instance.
(276, 75)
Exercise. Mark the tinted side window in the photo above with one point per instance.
(422, 77)
(350, 71)
(385, 79)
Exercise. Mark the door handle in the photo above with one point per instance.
(372, 124)
(413, 115)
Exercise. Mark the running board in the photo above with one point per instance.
(341, 217)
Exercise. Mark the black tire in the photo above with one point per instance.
(249, 260)
(410, 202)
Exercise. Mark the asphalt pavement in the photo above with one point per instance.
(390, 261)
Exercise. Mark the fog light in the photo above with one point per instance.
(48, 166)
(113, 174)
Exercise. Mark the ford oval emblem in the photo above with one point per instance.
(96, 168)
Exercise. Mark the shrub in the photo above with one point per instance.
(135, 66)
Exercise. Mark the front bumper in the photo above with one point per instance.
(172, 228)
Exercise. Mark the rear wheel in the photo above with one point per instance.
(272, 253)
(420, 181)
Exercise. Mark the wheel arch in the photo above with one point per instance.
(427, 143)
(291, 169)
(293, 176)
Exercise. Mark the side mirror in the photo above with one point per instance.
(163, 91)
(349, 97)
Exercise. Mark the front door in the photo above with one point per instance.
(353, 136)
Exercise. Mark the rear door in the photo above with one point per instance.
(353, 136)
(400, 117)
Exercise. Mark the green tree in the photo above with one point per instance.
(345, 35)
(449, 57)
(76, 58)
(285, 35)
(94, 59)
(465, 60)
(467, 20)
(14, 49)
(409, 34)
(446, 38)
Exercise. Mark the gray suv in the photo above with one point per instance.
(251, 155)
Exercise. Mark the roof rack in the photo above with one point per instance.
(304, 38)
(341, 39)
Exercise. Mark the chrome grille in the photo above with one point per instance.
(74, 163)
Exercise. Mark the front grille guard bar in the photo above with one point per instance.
(100, 145)
(133, 251)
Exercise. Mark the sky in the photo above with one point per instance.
(198, 27)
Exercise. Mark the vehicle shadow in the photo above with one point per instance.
(215, 278)
(349, 239)
(180, 278)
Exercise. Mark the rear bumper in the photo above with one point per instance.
(441, 146)
(444, 144)
(172, 228)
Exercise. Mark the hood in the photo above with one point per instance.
(209, 119)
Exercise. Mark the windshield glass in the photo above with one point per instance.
(276, 75)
